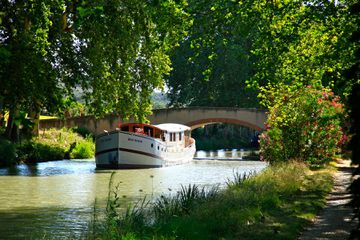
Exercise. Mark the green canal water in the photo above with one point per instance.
(55, 200)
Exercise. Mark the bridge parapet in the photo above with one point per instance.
(191, 116)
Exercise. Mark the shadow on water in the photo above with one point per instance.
(45, 223)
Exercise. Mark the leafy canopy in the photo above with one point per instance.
(116, 52)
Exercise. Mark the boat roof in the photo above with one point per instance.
(173, 127)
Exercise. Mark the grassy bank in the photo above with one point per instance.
(276, 203)
(52, 144)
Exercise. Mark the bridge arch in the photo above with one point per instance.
(195, 117)
(207, 121)
(190, 116)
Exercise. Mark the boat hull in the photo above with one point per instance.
(118, 149)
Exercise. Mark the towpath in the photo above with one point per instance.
(335, 220)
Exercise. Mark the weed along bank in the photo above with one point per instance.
(274, 204)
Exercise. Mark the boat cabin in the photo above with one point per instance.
(174, 135)
(142, 129)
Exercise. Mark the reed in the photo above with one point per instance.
(276, 203)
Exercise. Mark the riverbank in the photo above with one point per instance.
(277, 203)
(59, 195)
(52, 144)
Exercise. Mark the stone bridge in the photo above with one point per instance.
(193, 117)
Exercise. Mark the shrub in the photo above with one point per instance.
(303, 125)
(7, 153)
(43, 152)
(83, 149)
(56, 144)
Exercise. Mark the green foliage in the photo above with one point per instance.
(159, 100)
(182, 203)
(84, 132)
(232, 45)
(127, 56)
(305, 125)
(33, 152)
(275, 204)
(29, 80)
(303, 43)
(213, 62)
(83, 149)
(7, 153)
(55, 144)
(70, 107)
(115, 52)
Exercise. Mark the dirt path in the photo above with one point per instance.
(334, 221)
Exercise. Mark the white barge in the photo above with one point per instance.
(137, 145)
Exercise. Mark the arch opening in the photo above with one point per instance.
(227, 135)
(207, 121)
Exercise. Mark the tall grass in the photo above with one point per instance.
(277, 203)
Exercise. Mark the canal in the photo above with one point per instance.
(55, 200)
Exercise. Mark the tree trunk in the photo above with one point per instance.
(2, 120)
(12, 131)
(35, 118)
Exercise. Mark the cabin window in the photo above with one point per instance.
(152, 145)
(148, 131)
(180, 136)
(172, 137)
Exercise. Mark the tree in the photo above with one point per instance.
(303, 43)
(28, 80)
(234, 44)
(215, 60)
(125, 44)
(115, 51)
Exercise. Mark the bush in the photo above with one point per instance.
(7, 153)
(43, 152)
(303, 125)
(56, 144)
(83, 149)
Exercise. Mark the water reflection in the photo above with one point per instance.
(226, 154)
